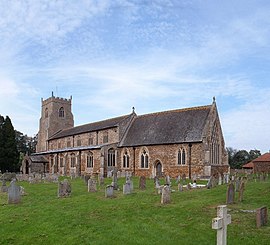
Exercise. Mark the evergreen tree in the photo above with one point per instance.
(2, 153)
(10, 157)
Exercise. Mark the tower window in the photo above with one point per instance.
(61, 112)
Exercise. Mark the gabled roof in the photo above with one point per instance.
(105, 124)
(248, 165)
(168, 127)
(263, 158)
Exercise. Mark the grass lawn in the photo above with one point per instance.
(139, 218)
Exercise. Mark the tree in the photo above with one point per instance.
(253, 154)
(9, 155)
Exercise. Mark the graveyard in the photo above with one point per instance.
(88, 215)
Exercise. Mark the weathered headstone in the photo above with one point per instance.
(92, 185)
(14, 195)
(230, 194)
(178, 179)
(220, 224)
(115, 184)
(237, 184)
(180, 187)
(109, 191)
(64, 188)
(209, 183)
(261, 216)
(4, 187)
(126, 189)
(219, 179)
(142, 183)
(86, 178)
(241, 191)
(167, 180)
(101, 180)
(166, 194)
(188, 186)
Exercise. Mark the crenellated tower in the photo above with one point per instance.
(56, 115)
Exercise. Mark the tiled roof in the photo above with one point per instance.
(109, 123)
(263, 158)
(38, 158)
(248, 165)
(175, 126)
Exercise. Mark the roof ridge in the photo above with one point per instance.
(177, 110)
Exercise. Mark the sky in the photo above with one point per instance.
(155, 55)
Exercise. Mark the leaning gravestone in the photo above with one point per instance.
(14, 195)
(109, 191)
(180, 187)
(64, 188)
(166, 195)
(92, 185)
(209, 183)
(237, 184)
(167, 180)
(230, 194)
(261, 216)
(86, 178)
(142, 183)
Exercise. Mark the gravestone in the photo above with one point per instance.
(241, 191)
(142, 183)
(14, 195)
(237, 184)
(209, 183)
(109, 191)
(4, 187)
(92, 185)
(166, 195)
(178, 179)
(101, 180)
(157, 182)
(126, 189)
(64, 188)
(114, 183)
(230, 194)
(219, 179)
(86, 178)
(167, 180)
(155, 179)
(188, 187)
(220, 224)
(261, 216)
(180, 187)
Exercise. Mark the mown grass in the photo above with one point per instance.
(139, 218)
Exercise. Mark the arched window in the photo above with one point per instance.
(61, 112)
(46, 112)
(90, 160)
(144, 159)
(126, 160)
(111, 158)
(72, 160)
(181, 157)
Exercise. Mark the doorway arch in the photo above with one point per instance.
(158, 169)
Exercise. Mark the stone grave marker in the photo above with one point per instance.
(22, 191)
(237, 184)
(4, 187)
(261, 216)
(142, 183)
(241, 191)
(115, 184)
(209, 183)
(178, 179)
(167, 180)
(166, 195)
(64, 188)
(230, 194)
(220, 224)
(219, 179)
(127, 188)
(180, 187)
(92, 185)
(86, 178)
(109, 191)
(101, 180)
(14, 195)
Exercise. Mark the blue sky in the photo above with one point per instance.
(154, 55)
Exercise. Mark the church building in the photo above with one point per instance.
(175, 142)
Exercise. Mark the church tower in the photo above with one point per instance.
(56, 115)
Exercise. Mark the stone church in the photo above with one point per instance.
(175, 142)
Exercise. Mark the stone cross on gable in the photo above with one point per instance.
(220, 224)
